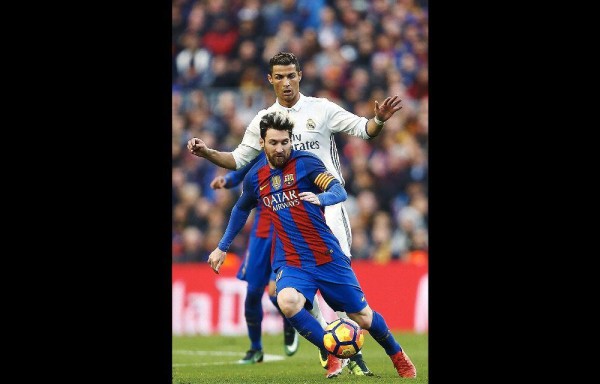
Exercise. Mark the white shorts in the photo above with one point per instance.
(337, 219)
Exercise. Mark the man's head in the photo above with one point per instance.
(276, 137)
(285, 75)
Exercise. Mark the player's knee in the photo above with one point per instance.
(364, 318)
(290, 301)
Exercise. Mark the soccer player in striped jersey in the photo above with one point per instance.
(256, 271)
(293, 186)
(316, 122)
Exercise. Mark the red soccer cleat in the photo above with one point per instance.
(403, 365)
(334, 366)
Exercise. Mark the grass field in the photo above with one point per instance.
(213, 359)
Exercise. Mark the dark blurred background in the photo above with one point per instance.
(352, 52)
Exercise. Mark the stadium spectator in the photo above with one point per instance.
(284, 11)
(221, 37)
(193, 62)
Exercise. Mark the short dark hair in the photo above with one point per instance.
(284, 58)
(276, 120)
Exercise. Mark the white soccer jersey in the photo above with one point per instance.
(316, 120)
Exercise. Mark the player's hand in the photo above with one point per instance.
(197, 146)
(310, 197)
(216, 259)
(218, 182)
(389, 106)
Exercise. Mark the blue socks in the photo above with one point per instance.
(311, 330)
(308, 327)
(381, 333)
(254, 316)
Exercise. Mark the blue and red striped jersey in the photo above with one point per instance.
(302, 237)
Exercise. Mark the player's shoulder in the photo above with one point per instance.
(273, 108)
(259, 115)
(321, 104)
(316, 100)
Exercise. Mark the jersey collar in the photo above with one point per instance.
(296, 107)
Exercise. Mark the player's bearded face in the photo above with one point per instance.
(278, 147)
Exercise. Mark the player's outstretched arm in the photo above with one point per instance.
(222, 159)
(383, 112)
(239, 215)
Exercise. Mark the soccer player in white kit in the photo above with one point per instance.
(316, 121)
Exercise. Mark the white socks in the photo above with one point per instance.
(316, 312)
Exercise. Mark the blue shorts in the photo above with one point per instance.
(335, 280)
(256, 268)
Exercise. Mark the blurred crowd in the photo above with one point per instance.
(352, 52)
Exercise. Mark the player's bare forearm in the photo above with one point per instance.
(223, 159)
(373, 128)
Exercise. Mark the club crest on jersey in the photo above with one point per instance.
(288, 179)
(310, 124)
(276, 182)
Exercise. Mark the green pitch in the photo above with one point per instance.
(213, 359)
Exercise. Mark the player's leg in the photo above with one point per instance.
(340, 289)
(290, 335)
(377, 327)
(294, 285)
(317, 314)
(253, 312)
(255, 270)
(339, 222)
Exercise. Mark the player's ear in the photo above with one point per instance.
(262, 143)
(299, 75)
(269, 78)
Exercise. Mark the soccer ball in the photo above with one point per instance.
(343, 338)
